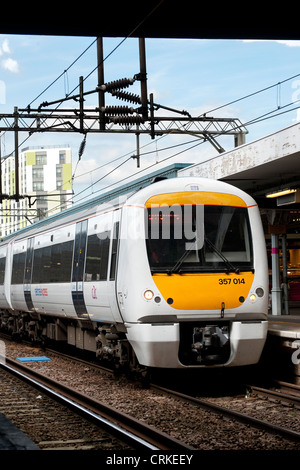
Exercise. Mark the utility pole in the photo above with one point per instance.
(143, 78)
(17, 191)
(101, 94)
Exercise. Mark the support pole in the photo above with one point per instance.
(101, 94)
(81, 105)
(276, 290)
(284, 276)
(143, 78)
(17, 191)
(137, 146)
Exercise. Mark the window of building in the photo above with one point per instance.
(41, 158)
(62, 157)
(38, 172)
(38, 186)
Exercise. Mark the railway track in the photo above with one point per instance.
(221, 417)
(66, 409)
(284, 392)
(241, 417)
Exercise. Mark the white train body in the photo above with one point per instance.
(89, 277)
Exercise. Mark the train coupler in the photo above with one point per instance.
(210, 343)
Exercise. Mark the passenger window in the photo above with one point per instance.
(18, 268)
(53, 263)
(2, 270)
(114, 252)
(97, 257)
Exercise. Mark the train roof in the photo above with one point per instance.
(108, 197)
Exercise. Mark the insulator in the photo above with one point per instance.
(115, 85)
(128, 119)
(115, 110)
(82, 147)
(123, 95)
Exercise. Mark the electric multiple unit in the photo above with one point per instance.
(171, 276)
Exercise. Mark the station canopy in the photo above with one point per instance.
(154, 18)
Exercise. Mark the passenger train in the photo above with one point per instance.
(173, 275)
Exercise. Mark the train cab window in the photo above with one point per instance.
(177, 242)
(97, 257)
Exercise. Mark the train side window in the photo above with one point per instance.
(2, 270)
(18, 268)
(97, 257)
(114, 251)
(53, 263)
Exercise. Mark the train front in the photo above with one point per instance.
(203, 292)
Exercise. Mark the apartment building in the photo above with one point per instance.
(45, 181)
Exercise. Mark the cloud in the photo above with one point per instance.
(5, 46)
(11, 65)
(288, 43)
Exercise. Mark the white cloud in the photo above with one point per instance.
(5, 46)
(8, 64)
(288, 43)
(11, 65)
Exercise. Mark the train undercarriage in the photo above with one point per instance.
(107, 342)
(200, 344)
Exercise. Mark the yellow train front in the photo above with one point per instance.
(192, 281)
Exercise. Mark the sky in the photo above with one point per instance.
(244, 79)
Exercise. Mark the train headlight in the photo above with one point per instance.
(252, 297)
(148, 294)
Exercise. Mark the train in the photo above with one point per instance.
(172, 275)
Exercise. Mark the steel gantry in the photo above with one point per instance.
(144, 116)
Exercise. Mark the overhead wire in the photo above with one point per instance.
(253, 121)
(127, 177)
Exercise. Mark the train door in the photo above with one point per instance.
(112, 274)
(78, 269)
(28, 274)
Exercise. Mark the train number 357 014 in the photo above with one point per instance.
(235, 280)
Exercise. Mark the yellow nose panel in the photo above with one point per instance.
(204, 291)
(197, 197)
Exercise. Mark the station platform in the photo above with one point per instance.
(286, 326)
(11, 438)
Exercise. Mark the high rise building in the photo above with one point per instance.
(45, 181)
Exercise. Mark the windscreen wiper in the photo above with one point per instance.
(229, 265)
(179, 262)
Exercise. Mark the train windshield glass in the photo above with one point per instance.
(195, 238)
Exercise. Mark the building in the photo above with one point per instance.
(45, 186)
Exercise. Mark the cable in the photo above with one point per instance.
(251, 94)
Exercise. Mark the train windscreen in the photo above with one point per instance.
(196, 238)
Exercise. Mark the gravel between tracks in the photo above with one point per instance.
(193, 425)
